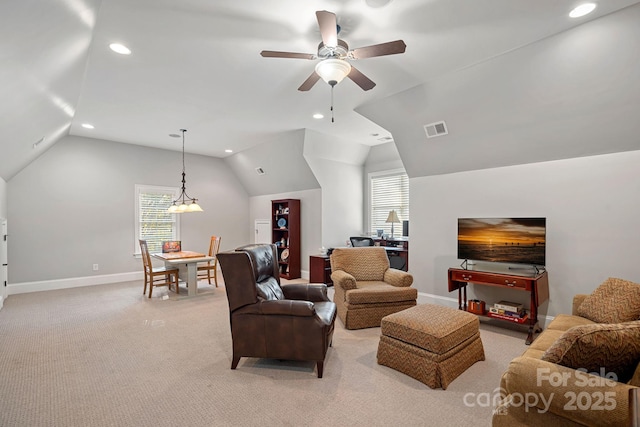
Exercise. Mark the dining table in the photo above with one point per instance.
(187, 264)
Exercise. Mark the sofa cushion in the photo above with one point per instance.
(614, 301)
(374, 292)
(599, 348)
(546, 339)
(563, 322)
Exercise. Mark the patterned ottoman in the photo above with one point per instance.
(431, 343)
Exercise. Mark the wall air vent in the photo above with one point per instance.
(436, 129)
(260, 171)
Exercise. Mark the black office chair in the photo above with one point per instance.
(361, 241)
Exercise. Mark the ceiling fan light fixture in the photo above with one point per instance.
(333, 70)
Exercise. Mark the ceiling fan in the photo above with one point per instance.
(334, 54)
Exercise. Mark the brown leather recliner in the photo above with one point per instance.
(292, 322)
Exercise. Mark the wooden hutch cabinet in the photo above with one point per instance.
(285, 234)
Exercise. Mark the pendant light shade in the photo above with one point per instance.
(184, 203)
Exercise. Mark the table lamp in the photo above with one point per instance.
(393, 217)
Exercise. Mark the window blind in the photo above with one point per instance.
(389, 192)
(154, 223)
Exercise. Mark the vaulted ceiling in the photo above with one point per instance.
(196, 64)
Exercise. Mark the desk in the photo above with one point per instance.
(187, 263)
(397, 250)
(320, 269)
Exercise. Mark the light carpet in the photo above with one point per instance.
(109, 356)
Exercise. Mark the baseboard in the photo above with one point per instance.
(425, 298)
(73, 282)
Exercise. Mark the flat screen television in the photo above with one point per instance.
(504, 240)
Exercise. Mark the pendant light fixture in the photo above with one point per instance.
(180, 205)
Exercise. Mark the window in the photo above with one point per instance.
(153, 223)
(388, 191)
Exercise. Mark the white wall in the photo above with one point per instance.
(310, 220)
(592, 206)
(74, 206)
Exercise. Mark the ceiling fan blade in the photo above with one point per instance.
(328, 27)
(360, 79)
(389, 48)
(276, 54)
(308, 84)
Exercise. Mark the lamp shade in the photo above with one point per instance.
(333, 70)
(194, 207)
(393, 217)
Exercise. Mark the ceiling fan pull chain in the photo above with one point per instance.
(332, 86)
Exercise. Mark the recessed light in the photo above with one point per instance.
(318, 116)
(582, 10)
(174, 135)
(228, 151)
(120, 48)
(88, 126)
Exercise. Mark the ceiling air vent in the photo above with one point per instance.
(436, 129)
(260, 171)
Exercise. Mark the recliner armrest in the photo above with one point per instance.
(343, 279)
(306, 292)
(398, 278)
(287, 307)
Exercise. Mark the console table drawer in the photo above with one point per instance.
(492, 279)
(517, 283)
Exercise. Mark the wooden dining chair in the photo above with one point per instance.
(156, 276)
(208, 269)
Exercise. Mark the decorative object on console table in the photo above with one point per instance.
(509, 306)
(536, 284)
(476, 306)
(285, 235)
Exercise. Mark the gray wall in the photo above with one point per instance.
(337, 165)
(74, 206)
(591, 205)
(282, 161)
(3, 198)
(383, 157)
(570, 95)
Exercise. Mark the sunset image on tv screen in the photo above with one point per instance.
(508, 240)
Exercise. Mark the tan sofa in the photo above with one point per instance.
(366, 288)
(552, 383)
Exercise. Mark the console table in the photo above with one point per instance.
(537, 285)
